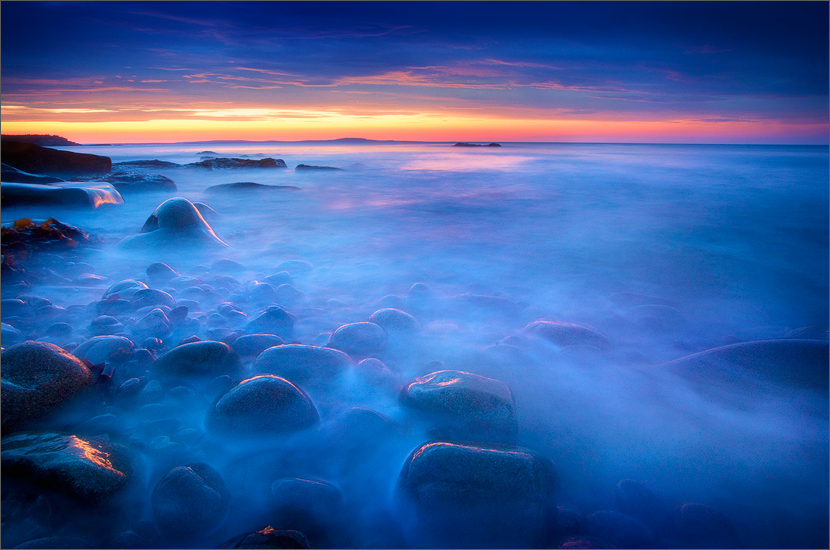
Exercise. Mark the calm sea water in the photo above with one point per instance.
(734, 237)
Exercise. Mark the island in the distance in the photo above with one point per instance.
(465, 144)
(40, 139)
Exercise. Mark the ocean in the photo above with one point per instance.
(665, 250)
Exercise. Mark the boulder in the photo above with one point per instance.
(261, 406)
(147, 164)
(35, 159)
(272, 320)
(190, 502)
(313, 506)
(359, 339)
(176, 223)
(128, 182)
(465, 496)
(222, 162)
(475, 407)
(37, 379)
(251, 345)
(159, 273)
(311, 167)
(198, 361)
(87, 468)
(394, 320)
(304, 365)
(567, 334)
(100, 348)
(10, 174)
(65, 194)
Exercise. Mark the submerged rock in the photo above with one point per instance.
(261, 406)
(303, 364)
(148, 164)
(310, 167)
(247, 186)
(567, 334)
(65, 194)
(272, 320)
(395, 321)
(465, 496)
(87, 468)
(100, 348)
(249, 345)
(37, 378)
(200, 361)
(359, 339)
(190, 501)
(176, 223)
(313, 506)
(222, 162)
(476, 407)
(128, 182)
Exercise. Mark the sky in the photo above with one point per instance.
(680, 72)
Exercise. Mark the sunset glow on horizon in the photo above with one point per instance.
(124, 72)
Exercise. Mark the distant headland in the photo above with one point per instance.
(39, 139)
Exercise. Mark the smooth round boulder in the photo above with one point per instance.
(304, 365)
(37, 379)
(86, 468)
(464, 496)
(159, 273)
(152, 297)
(124, 289)
(176, 223)
(190, 501)
(395, 321)
(153, 325)
(259, 407)
(359, 339)
(272, 320)
(476, 407)
(567, 334)
(251, 345)
(200, 361)
(10, 335)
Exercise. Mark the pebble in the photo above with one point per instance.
(395, 321)
(272, 320)
(359, 339)
(189, 502)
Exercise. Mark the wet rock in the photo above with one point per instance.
(705, 527)
(175, 223)
(268, 537)
(190, 501)
(304, 365)
(638, 501)
(87, 468)
(59, 330)
(261, 406)
(791, 363)
(147, 164)
(620, 530)
(394, 320)
(248, 186)
(468, 496)
(200, 361)
(10, 174)
(153, 392)
(373, 374)
(225, 265)
(127, 182)
(125, 289)
(105, 325)
(281, 278)
(38, 378)
(159, 273)
(295, 267)
(479, 408)
(152, 297)
(153, 325)
(13, 307)
(10, 335)
(66, 194)
(34, 159)
(251, 345)
(359, 339)
(312, 506)
(272, 320)
(222, 162)
(302, 167)
(567, 334)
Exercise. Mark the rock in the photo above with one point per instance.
(251, 345)
(190, 502)
(395, 321)
(198, 362)
(153, 325)
(705, 527)
(638, 501)
(87, 468)
(147, 164)
(221, 162)
(620, 530)
(10, 174)
(465, 496)
(269, 537)
(10, 335)
(37, 379)
(65, 194)
(310, 167)
(789, 363)
(281, 278)
(479, 408)
(152, 297)
(52, 162)
(295, 267)
(126, 182)
(374, 374)
(310, 505)
(272, 320)
(359, 339)
(304, 365)
(489, 304)
(259, 407)
(124, 289)
(248, 186)
(175, 223)
(567, 334)
(207, 212)
(225, 265)
(100, 348)
(105, 325)
(44, 140)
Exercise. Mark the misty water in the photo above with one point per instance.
(665, 250)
